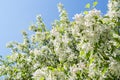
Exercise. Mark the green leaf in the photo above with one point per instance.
(91, 60)
(87, 5)
(85, 12)
(95, 3)
(82, 53)
(42, 78)
(104, 70)
(118, 23)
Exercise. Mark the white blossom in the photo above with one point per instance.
(82, 49)
(39, 73)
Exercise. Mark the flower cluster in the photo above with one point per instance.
(84, 49)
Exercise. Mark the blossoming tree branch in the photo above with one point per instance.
(87, 48)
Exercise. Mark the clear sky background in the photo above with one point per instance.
(18, 15)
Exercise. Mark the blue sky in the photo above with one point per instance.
(18, 15)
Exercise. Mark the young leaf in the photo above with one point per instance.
(87, 5)
(85, 12)
(95, 3)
